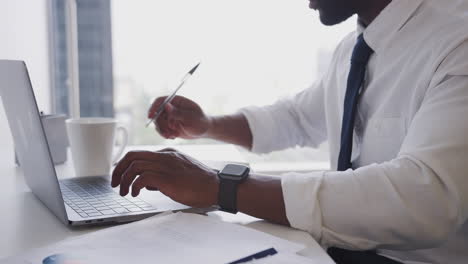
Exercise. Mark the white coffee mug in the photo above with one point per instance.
(92, 143)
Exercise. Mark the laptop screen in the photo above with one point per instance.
(28, 135)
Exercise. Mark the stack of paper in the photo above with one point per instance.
(173, 238)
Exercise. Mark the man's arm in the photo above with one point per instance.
(261, 196)
(296, 121)
(233, 129)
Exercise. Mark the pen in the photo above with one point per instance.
(169, 98)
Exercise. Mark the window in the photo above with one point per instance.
(95, 57)
(252, 53)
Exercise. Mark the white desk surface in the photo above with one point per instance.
(25, 223)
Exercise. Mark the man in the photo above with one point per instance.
(393, 107)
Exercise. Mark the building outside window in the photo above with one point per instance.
(95, 57)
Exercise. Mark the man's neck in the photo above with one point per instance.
(368, 10)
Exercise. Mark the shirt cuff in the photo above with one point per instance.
(300, 192)
(260, 122)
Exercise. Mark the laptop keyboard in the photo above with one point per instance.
(93, 197)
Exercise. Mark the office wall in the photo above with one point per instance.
(24, 36)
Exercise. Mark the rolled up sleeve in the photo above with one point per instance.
(300, 192)
(296, 121)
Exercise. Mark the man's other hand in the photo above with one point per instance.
(180, 177)
(181, 118)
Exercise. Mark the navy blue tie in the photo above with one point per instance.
(359, 60)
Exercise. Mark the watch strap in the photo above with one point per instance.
(227, 195)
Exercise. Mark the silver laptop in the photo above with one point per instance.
(75, 201)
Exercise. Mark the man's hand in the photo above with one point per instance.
(180, 177)
(181, 118)
(187, 181)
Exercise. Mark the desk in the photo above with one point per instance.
(25, 223)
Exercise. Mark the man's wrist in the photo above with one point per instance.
(212, 123)
(233, 129)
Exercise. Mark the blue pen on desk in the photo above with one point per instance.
(64, 259)
(169, 98)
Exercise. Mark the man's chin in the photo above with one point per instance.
(328, 20)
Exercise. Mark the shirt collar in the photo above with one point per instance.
(388, 22)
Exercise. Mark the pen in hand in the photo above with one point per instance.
(169, 98)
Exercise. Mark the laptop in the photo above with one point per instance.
(75, 201)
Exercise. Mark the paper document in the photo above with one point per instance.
(173, 238)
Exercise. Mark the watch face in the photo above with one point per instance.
(234, 171)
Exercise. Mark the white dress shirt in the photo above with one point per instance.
(408, 193)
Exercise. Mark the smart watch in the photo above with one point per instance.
(229, 179)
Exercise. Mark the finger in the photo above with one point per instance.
(173, 112)
(162, 125)
(167, 150)
(182, 131)
(172, 124)
(169, 108)
(170, 132)
(149, 188)
(176, 113)
(181, 102)
(155, 105)
(167, 133)
(174, 121)
(156, 127)
(143, 181)
(170, 153)
(125, 162)
(180, 127)
(174, 127)
(164, 129)
(136, 168)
